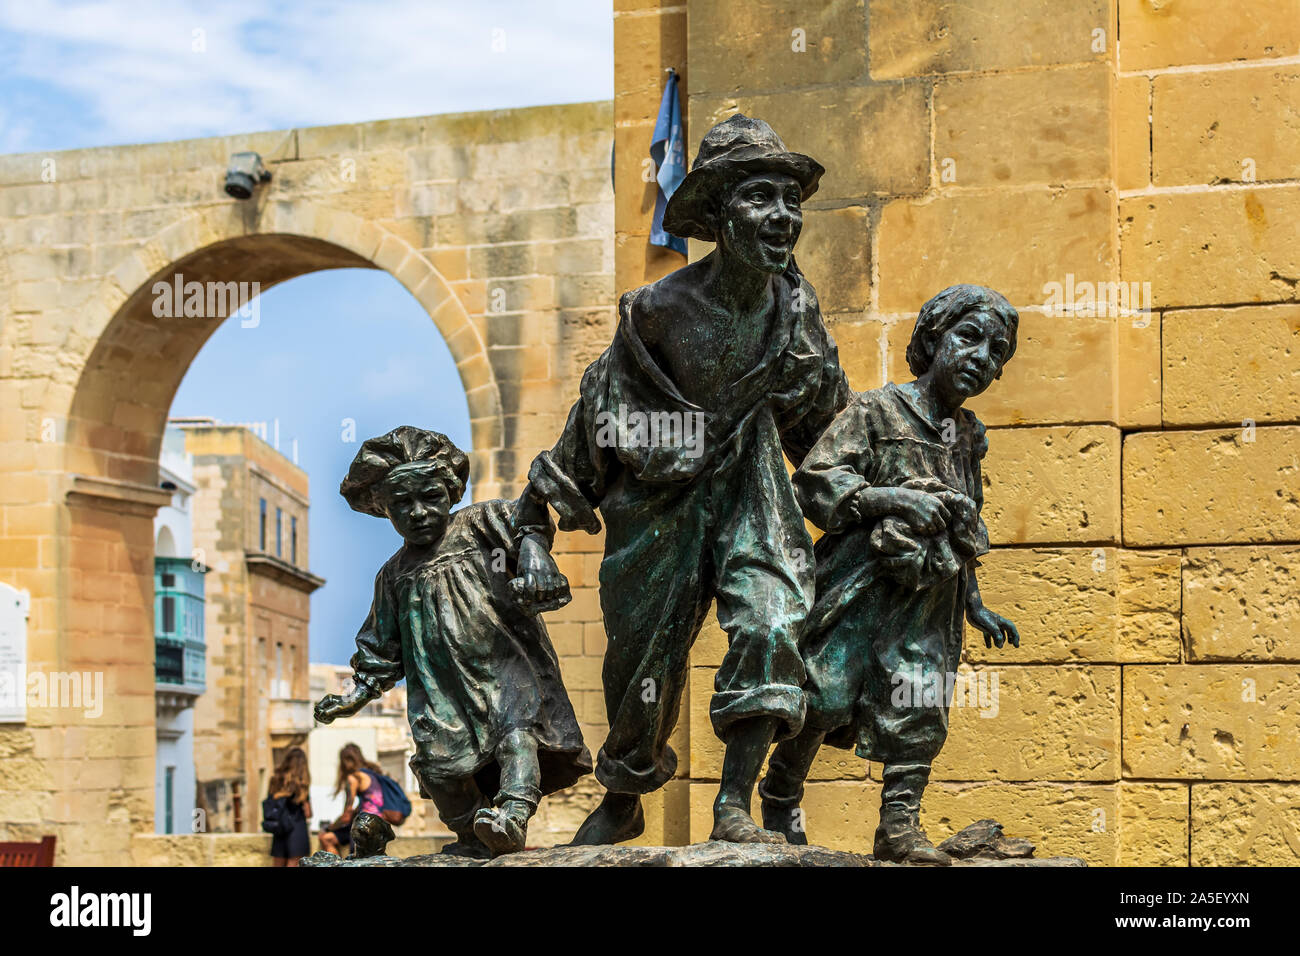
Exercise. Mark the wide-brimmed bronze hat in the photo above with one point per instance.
(733, 150)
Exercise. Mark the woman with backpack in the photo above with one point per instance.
(287, 808)
(369, 791)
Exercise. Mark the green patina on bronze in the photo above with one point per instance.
(736, 343)
(493, 727)
(717, 374)
(895, 482)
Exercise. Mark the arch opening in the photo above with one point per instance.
(117, 413)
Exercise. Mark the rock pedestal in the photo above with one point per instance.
(712, 853)
(980, 844)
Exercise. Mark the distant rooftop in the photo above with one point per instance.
(266, 435)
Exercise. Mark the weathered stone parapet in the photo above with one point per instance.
(239, 849)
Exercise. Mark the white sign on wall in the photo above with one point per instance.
(14, 606)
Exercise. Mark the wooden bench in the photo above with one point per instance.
(28, 854)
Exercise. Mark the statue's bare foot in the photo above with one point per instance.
(733, 825)
(618, 818)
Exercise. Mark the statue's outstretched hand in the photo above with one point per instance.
(997, 629)
(333, 706)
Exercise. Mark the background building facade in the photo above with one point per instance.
(250, 529)
(179, 647)
(1141, 489)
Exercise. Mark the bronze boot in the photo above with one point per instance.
(504, 828)
(781, 791)
(899, 838)
(779, 797)
(458, 802)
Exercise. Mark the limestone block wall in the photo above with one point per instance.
(1141, 483)
(244, 849)
(1207, 215)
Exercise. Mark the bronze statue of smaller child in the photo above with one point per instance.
(895, 483)
(455, 613)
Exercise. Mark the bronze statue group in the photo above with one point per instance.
(823, 640)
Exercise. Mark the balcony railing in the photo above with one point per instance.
(180, 663)
(180, 653)
(289, 716)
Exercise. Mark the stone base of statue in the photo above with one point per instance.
(980, 844)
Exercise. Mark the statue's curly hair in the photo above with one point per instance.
(403, 445)
(945, 310)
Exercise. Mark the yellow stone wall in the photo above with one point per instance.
(1145, 535)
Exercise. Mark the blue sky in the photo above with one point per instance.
(127, 71)
(333, 345)
(341, 344)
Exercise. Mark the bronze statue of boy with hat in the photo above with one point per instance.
(736, 343)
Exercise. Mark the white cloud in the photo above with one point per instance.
(280, 64)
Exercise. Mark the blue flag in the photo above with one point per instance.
(668, 152)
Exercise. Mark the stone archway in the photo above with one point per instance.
(112, 431)
(116, 413)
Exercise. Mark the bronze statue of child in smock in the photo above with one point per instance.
(493, 726)
(895, 483)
